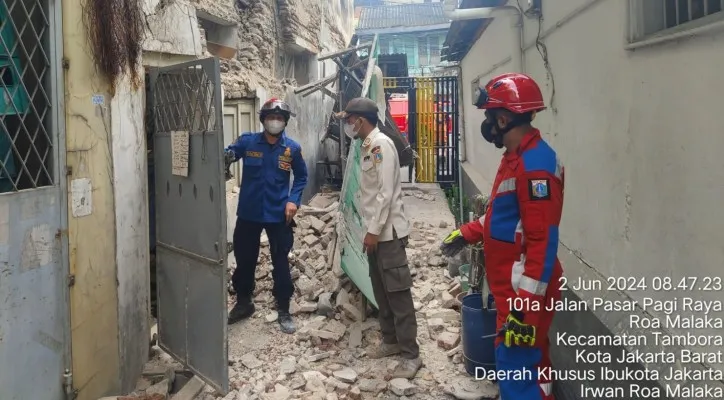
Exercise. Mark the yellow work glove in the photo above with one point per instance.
(453, 243)
(516, 333)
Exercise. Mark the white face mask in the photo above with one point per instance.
(350, 131)
(274, 127)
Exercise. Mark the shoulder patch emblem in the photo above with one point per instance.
(538, 189)
(285, 166)
(288, 152)
(378, 157)
(376, 150)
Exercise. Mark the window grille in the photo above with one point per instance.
(651, 17)
(26, 141)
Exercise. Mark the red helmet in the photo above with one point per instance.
(517, 93)
(275, 106)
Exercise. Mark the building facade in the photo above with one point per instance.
(632, 89)
(414, 32)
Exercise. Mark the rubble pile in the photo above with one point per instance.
(326, 358)
(418, 194)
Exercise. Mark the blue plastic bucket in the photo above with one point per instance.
(478, 326)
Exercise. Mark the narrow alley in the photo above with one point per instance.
(326, 359)
(132, 131)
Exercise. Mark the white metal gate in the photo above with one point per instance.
(34, 312)
(191, 244)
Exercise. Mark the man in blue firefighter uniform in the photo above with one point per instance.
(267, 203)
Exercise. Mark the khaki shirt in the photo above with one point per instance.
(381, 188)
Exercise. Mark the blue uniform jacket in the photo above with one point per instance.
(265, 178)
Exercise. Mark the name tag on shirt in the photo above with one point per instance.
(254, 154)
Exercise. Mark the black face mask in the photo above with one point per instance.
(486, 128)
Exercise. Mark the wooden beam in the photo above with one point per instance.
(329, 93)
(343, 69)
(342, 52)
(316, 84)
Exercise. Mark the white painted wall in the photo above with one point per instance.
(128, 143)
(640, 135)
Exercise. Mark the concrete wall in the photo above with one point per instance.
(638, 134)
(128, 141)
(308, 128)
(91, 238)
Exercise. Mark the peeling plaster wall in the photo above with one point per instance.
(301, 23)
(223, 9)
(91, 238)
(171, 27)
(132, 251)
(255, 64)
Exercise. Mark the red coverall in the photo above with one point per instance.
(520, 235)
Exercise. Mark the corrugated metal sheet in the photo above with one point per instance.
(402, 15)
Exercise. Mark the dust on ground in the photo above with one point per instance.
(326, 358)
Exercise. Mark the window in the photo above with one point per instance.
(422, 51)
(435, 50)
(651, 17)
(384, 46)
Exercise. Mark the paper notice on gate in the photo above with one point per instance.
(180, 153)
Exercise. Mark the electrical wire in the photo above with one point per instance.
(543, 51)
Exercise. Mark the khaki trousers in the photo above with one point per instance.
(392, 283)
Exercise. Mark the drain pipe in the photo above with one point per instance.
(461, 142)
(450, 8)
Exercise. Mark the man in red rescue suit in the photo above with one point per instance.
(520, 234)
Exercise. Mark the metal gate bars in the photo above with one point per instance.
(432, 125)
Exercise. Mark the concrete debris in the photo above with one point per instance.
(448, 340)
(374, 386)
(467, 389)
(419, 194)
(326, 358)
(324, 305)
(160, 389)
(250, 361)
(347, 375)
(272, 317)
(402, 387)
(288, 366)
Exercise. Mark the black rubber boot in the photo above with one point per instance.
(286, 324)
(243, 309)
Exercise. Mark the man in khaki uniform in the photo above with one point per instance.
(386, 238)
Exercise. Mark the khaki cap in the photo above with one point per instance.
(359, 106)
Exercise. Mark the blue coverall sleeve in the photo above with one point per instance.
(238, 147)
(299, 168)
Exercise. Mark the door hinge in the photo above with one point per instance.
(70, 393)
(71, 280)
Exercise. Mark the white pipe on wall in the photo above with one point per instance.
(450, 8)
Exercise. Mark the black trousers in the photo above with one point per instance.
(247, 236)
